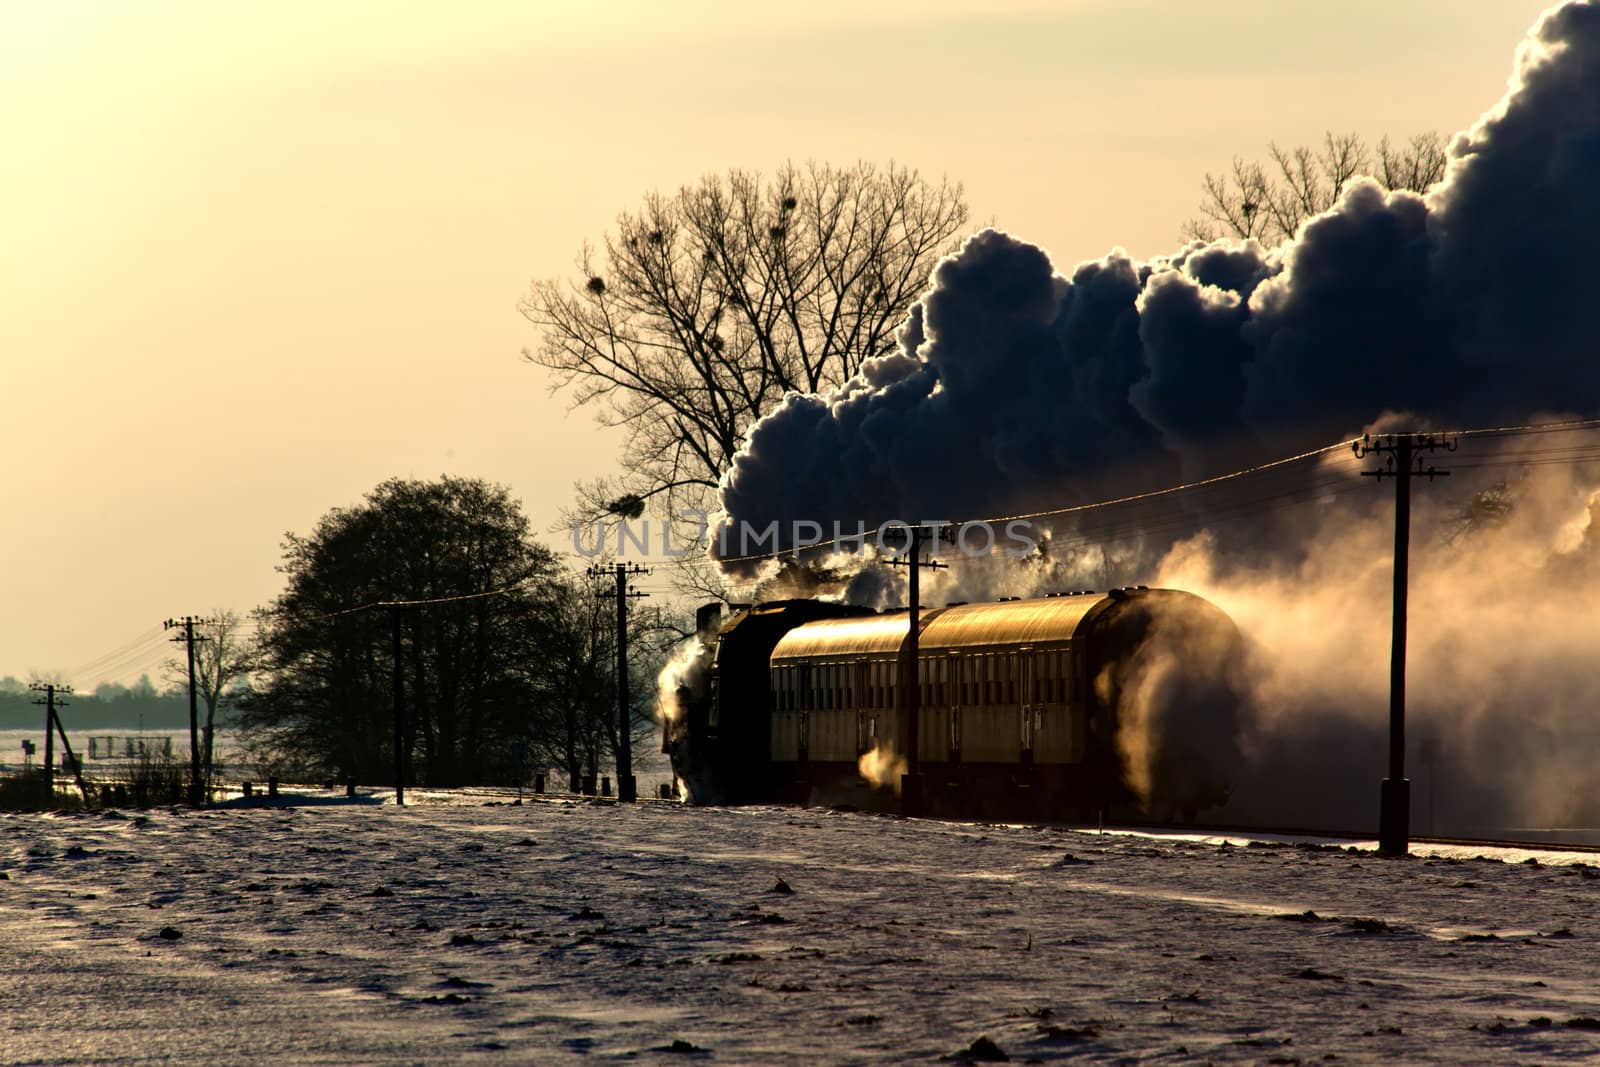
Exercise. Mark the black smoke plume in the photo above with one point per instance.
(1016, 388)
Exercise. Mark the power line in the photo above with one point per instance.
(1527, 428)
(1170, 490)
(1177, 522)
(386, 605)
(1569, 453)
(142, 660)
(1070, 509)
(144, 638)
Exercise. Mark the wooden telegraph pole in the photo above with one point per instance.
(52, 726)
(187, 623)
(911, 688)
(49, 701)
(1402, 453)
(399, 709)
(627, 787)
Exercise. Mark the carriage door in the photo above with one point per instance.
(947, 691)
(810, 679)
(1022, 669)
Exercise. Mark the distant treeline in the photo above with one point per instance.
(109, 707)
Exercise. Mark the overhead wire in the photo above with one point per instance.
(144, 638)
(142, 663)
(1090, 506)
(136, 653)
(1559, 426)
(1574, 453)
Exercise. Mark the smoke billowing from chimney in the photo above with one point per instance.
(1017, 389)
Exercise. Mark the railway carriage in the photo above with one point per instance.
(1056, 706)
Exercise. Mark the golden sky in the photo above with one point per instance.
(256, 258)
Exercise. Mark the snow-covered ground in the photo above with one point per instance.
(448, 932)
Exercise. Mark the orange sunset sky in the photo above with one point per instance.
(257, 258)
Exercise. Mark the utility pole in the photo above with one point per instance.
(187, 623)
(399, 710)
(911, 690)
(627, 788)
(1403, 459)
(50, 690)
(51, 702)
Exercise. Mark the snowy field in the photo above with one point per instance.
(448, 932)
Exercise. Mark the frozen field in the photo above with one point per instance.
(569, 932)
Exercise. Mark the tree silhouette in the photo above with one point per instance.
(324, 693)
(706, 306)
(1269, 201)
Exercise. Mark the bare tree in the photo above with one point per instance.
(1269, 201)
(1486, 509)
(706, 306)
(576, 676)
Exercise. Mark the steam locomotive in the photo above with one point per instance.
(1125, 702)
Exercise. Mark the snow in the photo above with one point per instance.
(451, 931)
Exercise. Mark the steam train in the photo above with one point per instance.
(1124, 703)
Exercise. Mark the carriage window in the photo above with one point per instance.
(1011, 664)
